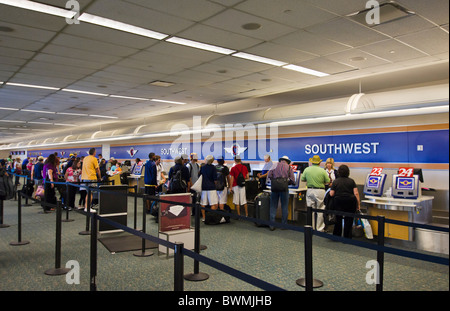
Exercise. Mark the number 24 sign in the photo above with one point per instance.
(405, 171)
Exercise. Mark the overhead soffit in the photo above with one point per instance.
(317, 34)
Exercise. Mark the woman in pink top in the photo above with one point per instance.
(72, 176)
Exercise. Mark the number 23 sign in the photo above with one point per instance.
(376, 171)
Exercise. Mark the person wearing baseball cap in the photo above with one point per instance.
(316, 178)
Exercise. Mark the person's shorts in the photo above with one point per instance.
(239, 196)
(209, 197)
(87, 182)
(223, 196)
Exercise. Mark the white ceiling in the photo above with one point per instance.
(44, 50)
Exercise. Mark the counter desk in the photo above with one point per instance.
(409, 210)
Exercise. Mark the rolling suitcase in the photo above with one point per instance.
(262, 208)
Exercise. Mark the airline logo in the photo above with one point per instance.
(405, 183)
(235, 149)
(132, 152)
(373, 182)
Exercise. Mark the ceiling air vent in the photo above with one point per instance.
(386, 12)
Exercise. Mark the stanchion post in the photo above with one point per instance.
(67, 204)
(19, 224)
(197, 275)
(93, 255)
(309, 282)
(135, 205)
(58, 270)
(2, 225)
(380, 254)
(178, 267)
(143, 252)
(308, 215)
(88, 212)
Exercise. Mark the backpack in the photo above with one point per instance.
(212, 218)
(240, 181)
(177, 184)
(220, 182)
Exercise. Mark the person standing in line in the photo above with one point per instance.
(72, 176)
(331, 171)
(194, 172)
(239, 195)
(50, 174)
(150, 178)
(316, 178)
(209, 192)
(90, 172)
(346, 199)
(160, 178)
(223, 179)
(268, 164)
(282, 170)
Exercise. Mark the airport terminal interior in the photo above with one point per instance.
(328, 83)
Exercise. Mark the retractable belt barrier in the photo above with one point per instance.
(180, 250)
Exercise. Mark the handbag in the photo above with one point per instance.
(197, 187)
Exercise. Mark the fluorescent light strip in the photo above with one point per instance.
(306, 70)
(202, 46)
(37, 111)
(12, 121)
(32, 86)
(109, 23)
(84, 92)
(99, 116)
(128, 97)
(42, 123)
(61, 124)
(167, 102)
(5, 108)
(39, 7)
(260, 59)
(72, 114)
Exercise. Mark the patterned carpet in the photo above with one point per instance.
(276, 257)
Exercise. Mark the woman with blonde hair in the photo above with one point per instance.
(331, 171)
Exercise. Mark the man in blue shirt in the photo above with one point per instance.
(150, 178)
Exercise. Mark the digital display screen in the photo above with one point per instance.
(405, 183)
(373, 182)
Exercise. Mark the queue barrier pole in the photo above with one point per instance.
(67, 204)
(380, 254)
(58, 270)
(143, 252)
(88, 213)
(178, 267)
(2, 225)
(197, 276)
(308, 281)
(19, 226)
(93, 251)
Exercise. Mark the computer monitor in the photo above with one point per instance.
(374, 185)
(300, 166)
(405, 187)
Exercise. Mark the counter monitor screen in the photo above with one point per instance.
(405, 183)
(373, 182)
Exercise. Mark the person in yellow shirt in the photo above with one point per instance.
(90, 172)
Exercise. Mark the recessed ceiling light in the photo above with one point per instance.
(84, 92)
(260, 59)
(222, 71)
(199, 45)
(162, 83)
(251, 26)
(167, 102)
(32, 86)
(306, 70)
(39, 7)
(101, 21)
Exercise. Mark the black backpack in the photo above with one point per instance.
(240, 181)
(220, 182)
(177, 184)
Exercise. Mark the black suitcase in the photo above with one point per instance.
(262, 208)
(251, 189)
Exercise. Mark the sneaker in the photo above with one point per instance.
(91, 210)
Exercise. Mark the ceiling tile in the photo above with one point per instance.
(232, 20)
(431, 41)
(294, 13)
(392, 50)
(356, 58)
